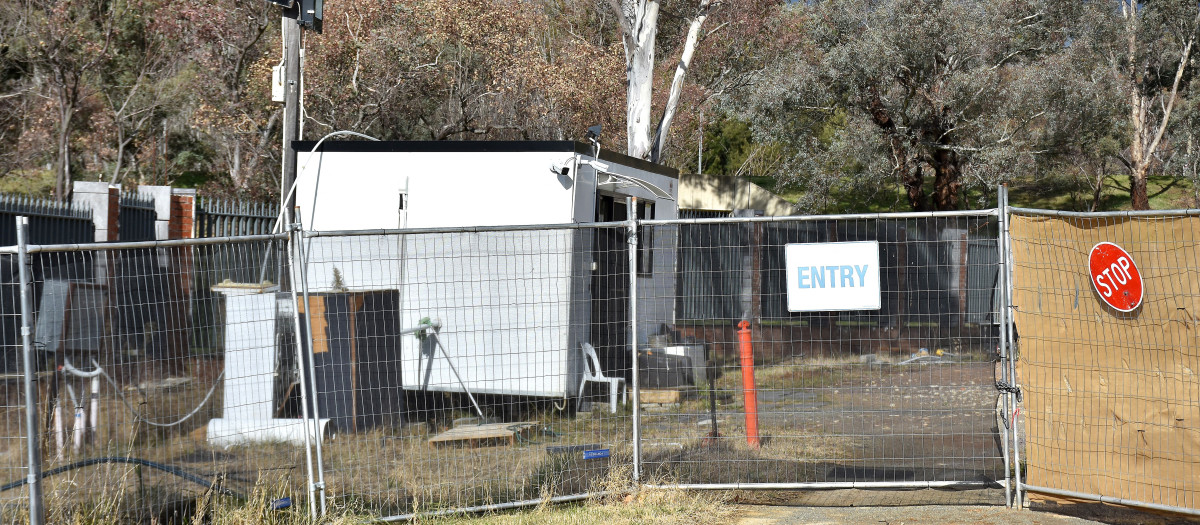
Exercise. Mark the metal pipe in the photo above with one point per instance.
(93, 418)
(168, 243)
(94, 421)
(312, 365)
(493, 507)
(421, 327)
(1002, 350)
(749, 392)
(592, 225)
(70, 369)
(1190, 212)
(467, 229)
(1109, 499)
(76, 418)
(829, 485)
(304, 405)
(482, 229)
(37, 512)
(59, 429)
(841, 217)
(633, 246)
(438, 341)
(1006, 237)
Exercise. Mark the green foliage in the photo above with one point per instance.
(727, 144)
(846, 105)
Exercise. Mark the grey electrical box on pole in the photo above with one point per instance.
(308, 12)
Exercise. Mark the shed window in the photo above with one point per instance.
(645, 256)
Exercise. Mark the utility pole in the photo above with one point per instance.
(291, 110)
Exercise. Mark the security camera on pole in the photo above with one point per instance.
(296, 14)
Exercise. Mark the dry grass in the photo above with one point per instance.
(396, 471)
(391, 472)
(380, 472)
(648, 506)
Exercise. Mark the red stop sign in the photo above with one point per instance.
(1115, 276)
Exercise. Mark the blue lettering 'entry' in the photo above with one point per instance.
(832, 276)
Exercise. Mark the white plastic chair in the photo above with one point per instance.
(592, 373)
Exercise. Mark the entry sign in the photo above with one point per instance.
(1116, 277)
(831, 276)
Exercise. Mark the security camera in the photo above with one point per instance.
(562, 168)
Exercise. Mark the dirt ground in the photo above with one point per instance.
(843, 421)
(926, 515)
(1037, 514)
(924, 508)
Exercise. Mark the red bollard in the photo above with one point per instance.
(748, 388)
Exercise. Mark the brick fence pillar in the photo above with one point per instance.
(181, 225)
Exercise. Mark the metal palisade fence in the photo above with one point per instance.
(228, 218)
(49, 221)
(417, 371)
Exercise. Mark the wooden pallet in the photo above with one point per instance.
(665, 396)
(490, 434)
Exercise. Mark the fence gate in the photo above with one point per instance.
(1112, 400)
(901, 394)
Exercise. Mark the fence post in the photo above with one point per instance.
(1014, 393)
(292, 247)
(36, 509)
(631, 206)
(1002, 349)
(302, 268)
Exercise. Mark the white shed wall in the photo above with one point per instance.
(514, 306)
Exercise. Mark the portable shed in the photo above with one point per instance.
(514, 306)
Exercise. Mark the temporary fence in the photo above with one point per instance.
(454, 365)
(1108, 364)
(441, 370)
(124, 401)
(900, 394)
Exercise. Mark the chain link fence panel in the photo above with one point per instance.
(137, 422)
(488, 368)
(469, 369)
(901, 396)
(1111, 397)
(14, 497)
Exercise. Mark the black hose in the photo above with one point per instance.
(131, 461)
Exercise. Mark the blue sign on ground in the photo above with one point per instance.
(595, 454)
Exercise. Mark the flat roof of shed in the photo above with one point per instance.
(487, 146)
